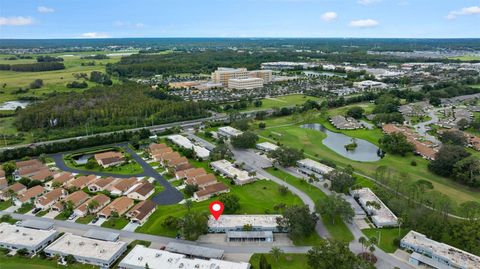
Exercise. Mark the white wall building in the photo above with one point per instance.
(311, 167)
(87, 250)
(435, 254)
(370, 85)
(140, 256)
(236, 222)
(267, 146)
(227, 169)
(184, 142)
(228, 132)
(381, 217)
(245, 83)
(14, 237)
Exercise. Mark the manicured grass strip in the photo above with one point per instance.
(16, 262)
(25, 208)
(286, 261)
(42, 213)
(115, 223)
(337, 230)
(386, 236)
(5, 204)
(85, 220)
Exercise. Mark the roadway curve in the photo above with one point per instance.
(170, 195)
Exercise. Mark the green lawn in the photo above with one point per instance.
(337, 230)
(63, 215)
(16, 262)
(54, 81)
(5, 204)
(286, 261)
(116, 223)
(279, 129)
(282, 101)
(85, 220)
(24, 208)
(42, 213)
(259, 197)
(386, 237)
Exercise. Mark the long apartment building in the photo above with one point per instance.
(438, 255)
(241, 78)
(380, 214)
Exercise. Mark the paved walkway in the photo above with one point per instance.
(170, 195)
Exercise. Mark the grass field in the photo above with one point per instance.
(467, 58)
(24, 208)
(85, 220)
(16, 262)
(286, 261)
(386, 237)
(115, 223)
(52, 80)
(286, 131)
(338, 230)
(259, 197)
(5, 204)
(282, 101)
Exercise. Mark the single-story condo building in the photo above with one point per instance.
(238, 222)
(87, 250)
(14, 237)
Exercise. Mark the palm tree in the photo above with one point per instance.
(362, 240)
(371, 249)
(400, 222)
(188, 205)
(276, 253)
(92, 205)
(12, 194)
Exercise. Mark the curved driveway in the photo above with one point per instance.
(170, 195)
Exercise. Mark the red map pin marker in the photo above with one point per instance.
(216, 209)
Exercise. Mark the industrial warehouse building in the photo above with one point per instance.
(88, 250)
(141, 256)
(15, 237)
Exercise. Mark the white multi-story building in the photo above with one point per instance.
(438, 255)
(245, 83)
(227, 169)
(141, 256)
(266, 75)
(381, 216)
(228, 132)
(102, 253)
(311, 167)
(223, 74)
(15, 237)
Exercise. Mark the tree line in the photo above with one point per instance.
(33, 67)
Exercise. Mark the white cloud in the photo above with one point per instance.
(464, 11)
(43, 9)
(329, 16)
(15, 21)
(368, 2)
(128, 24)
(94, 35)
(366, 23)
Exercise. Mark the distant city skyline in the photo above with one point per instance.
(240, 18)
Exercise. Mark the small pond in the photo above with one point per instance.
(12, 105)
(364, 152)
(82, 159)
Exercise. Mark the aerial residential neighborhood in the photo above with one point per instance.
(240, 134)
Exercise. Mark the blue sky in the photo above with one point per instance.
(239, 18)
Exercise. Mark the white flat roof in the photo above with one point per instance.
(184, 142)
(267, 146)
(226, 221)
(382, 215)
(230, 130)
(229, 169)
(15, 235)
(455, 255)
(309, 163)
(70, 244)
(140, 255)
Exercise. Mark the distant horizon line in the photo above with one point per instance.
(253, 37)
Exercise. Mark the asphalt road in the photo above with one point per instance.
(170, 195)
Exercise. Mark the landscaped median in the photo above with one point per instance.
(337, 229)
(85, 160)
